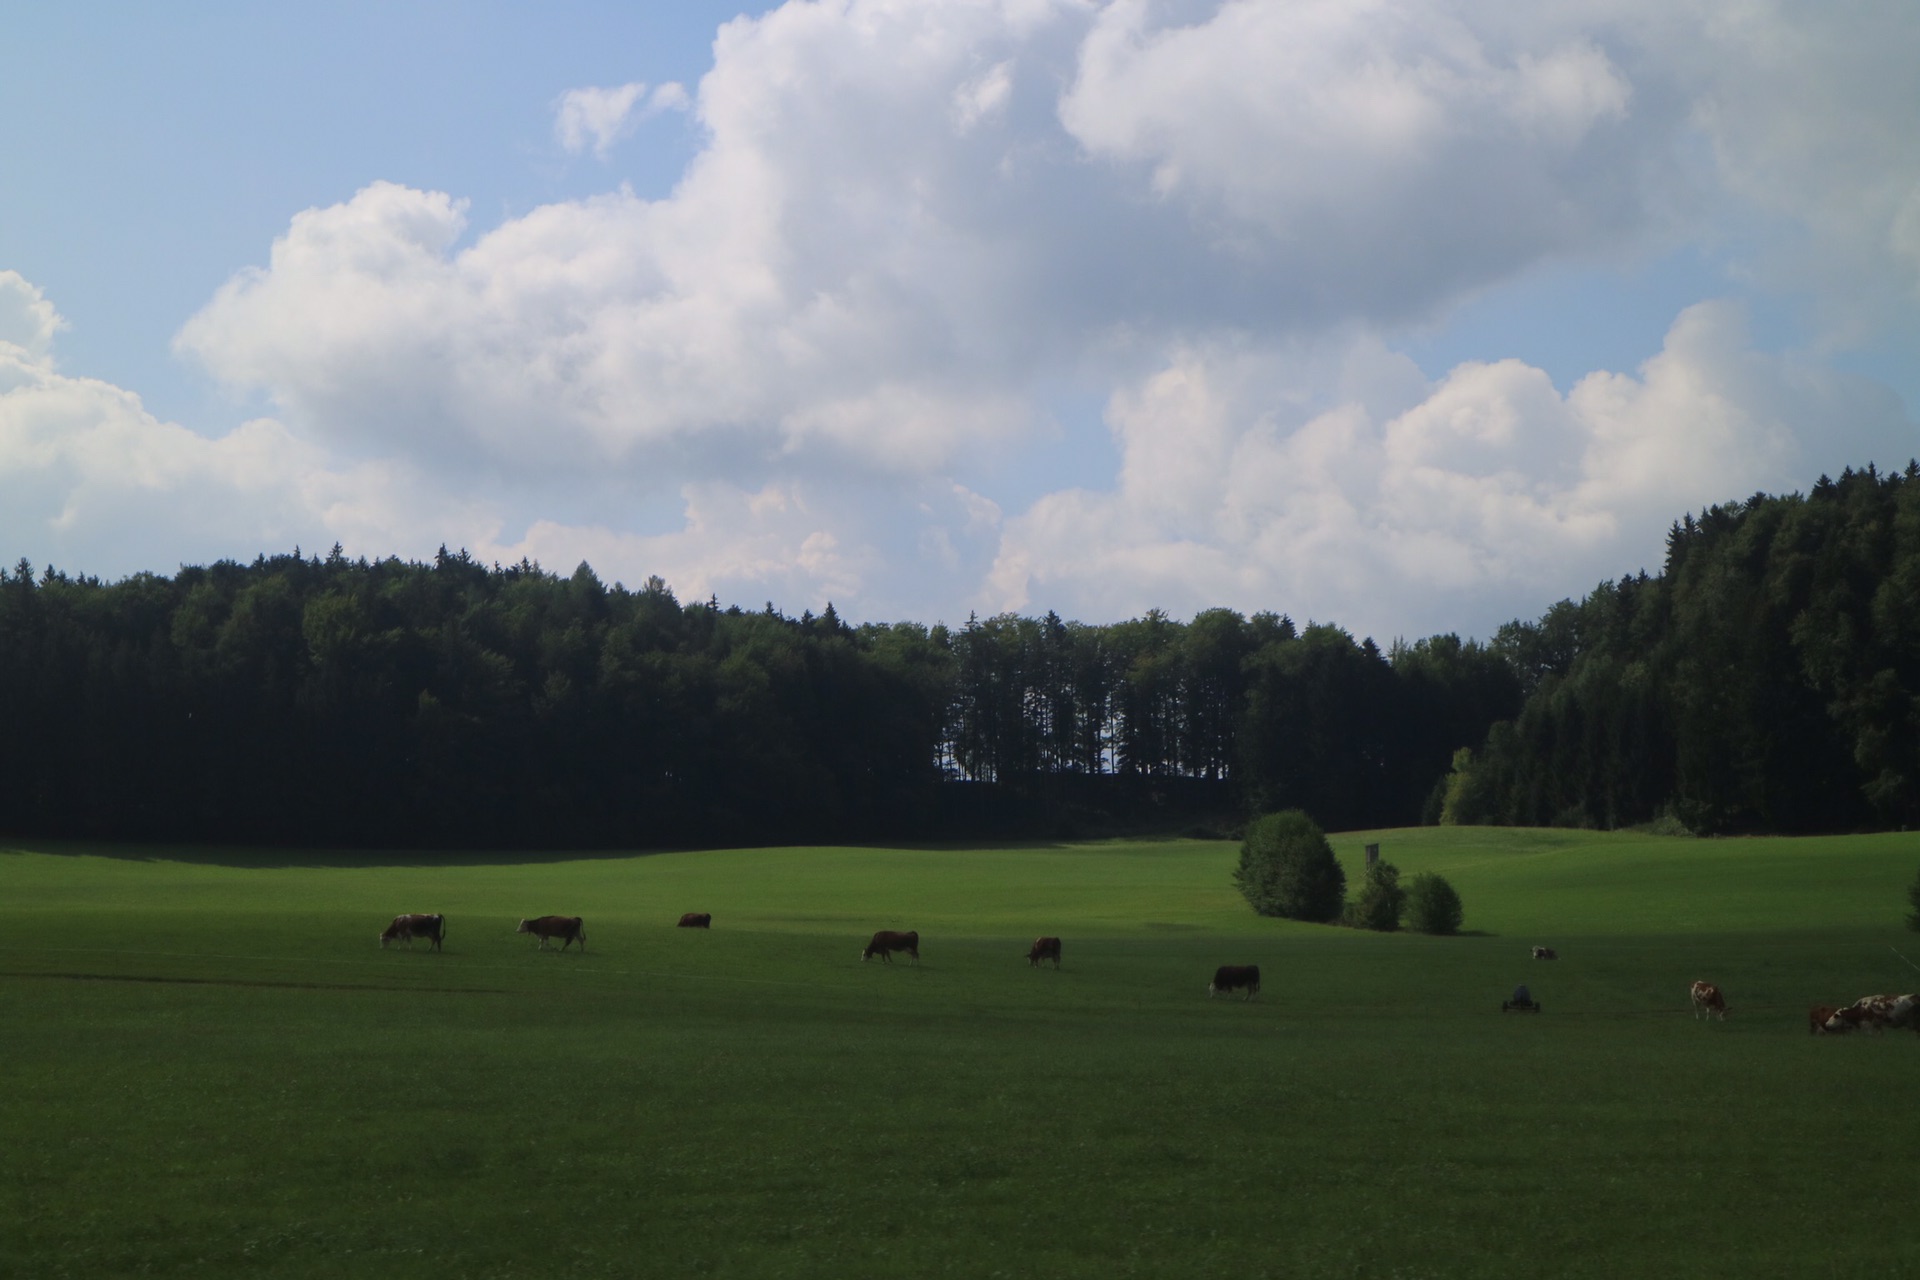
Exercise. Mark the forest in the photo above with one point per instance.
(1765, 680)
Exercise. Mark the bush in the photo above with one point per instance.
(1287, 869)
(1381, 902)
(1433, 906)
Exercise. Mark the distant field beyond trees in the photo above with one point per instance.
(1767, 680)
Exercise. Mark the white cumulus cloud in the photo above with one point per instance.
(28, 321)
(829, 362)
(595, 118)
(1489, 485)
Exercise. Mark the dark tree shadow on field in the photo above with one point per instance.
(268, 857)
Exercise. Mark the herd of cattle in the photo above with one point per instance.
(405, 928)
(1872, 1014)
(570, 929)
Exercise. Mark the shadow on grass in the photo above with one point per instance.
(270, 857)
(281, 857)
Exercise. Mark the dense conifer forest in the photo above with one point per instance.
(1766, 680)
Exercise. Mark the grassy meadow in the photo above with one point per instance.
(212, 1069)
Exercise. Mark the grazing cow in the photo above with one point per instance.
(569, 929)
(1044, 949)
(886, 942)
(1869, 1013)
(1231, 977)
(696, 920)
(1708, 1003)
(1851, 1018)
(1817, 1019)
(1545, 953)
(406, 928)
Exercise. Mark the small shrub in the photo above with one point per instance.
(1287, 869)
(1433, 906)
(1381, 902)
(1664, 823)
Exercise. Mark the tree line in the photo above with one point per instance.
(328, 699)
(1768, 680)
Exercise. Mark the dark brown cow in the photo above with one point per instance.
(1817, 1019)
(1044, 949)
(696, 920)
(1231, 977)
(886, 942)
(569, 929)
(408, 927)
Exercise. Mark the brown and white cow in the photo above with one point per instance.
(1872, 1014)
(569, 929)
(1708, 1003)
(1044, 949)
(405, 928)
(696, 920)
(1817, 1018)
(1545, 953)
(1848, 1019)
(886, 942)
(1232, 977)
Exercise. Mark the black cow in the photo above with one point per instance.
(1231, 977)
(696, 920)
(569, 929)
(886, 942)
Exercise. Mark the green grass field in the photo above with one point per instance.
(211, 1068)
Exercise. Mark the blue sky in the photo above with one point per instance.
(169, 145)
(1414, 317)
